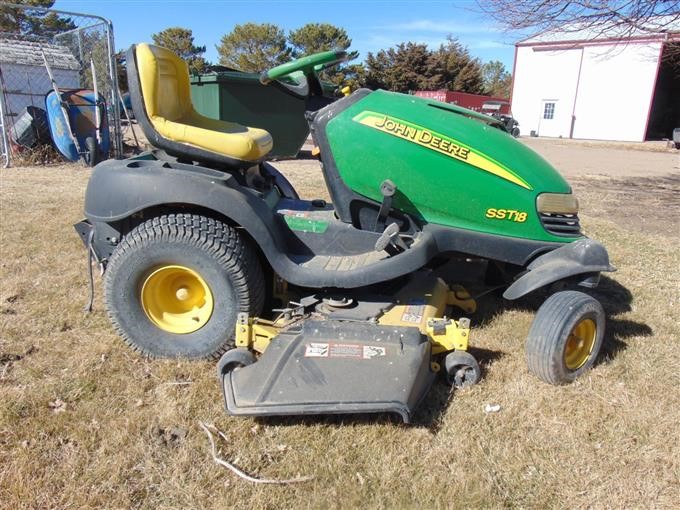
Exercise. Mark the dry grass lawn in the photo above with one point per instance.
(86, 423)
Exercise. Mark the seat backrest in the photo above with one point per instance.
(164, 79)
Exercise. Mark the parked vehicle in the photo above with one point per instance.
(346, 307)
(495, 108)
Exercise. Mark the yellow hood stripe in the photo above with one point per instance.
(437, 142)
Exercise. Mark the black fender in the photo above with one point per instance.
(118, 189)
(583, 257)
(284, 185)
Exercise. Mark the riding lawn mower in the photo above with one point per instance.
(343, 307)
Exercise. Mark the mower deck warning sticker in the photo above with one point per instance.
(373, 351)
(343, 350)
(316, 350)
(413, 312)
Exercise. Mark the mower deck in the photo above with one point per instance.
(334, 367)
(358, 352)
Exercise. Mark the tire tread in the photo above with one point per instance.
(222, 241)
(548, 325)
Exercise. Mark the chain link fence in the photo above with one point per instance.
(80, 52)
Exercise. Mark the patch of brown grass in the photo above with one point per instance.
(84, 422)
(40, 155)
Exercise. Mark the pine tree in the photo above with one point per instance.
(317, 37)
(181, 41)
(497, 80)
(411, 66)
(32, 22)
(254, 47)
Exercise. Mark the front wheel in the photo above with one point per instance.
(565, 337)
(176, 283)
(233, 360)
(462, 369)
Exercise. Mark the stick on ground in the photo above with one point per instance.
(240, 473)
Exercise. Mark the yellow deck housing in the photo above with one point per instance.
(421, 304)
(424, 309)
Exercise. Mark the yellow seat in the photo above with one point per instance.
(165, 87)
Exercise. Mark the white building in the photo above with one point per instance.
(579, 85)
(25, 81)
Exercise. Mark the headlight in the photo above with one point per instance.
(557, 203)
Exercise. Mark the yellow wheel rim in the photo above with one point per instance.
(177, 299)
(580, 344)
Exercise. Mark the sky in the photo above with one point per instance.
(371, 24)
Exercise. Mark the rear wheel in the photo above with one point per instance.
(175, 284)
(565, 337)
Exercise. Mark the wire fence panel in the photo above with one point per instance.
(77, 47)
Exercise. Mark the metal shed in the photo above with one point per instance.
(24, 77)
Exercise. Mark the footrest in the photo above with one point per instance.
(334, 367)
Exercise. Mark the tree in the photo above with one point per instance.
(453, 68)
(597, 17)
(121, 70)
(497, 80)
(89, 46)
(254, 47)
(317, 37)
(403, 68)
(181, 41)
(411, 66)
(33, 21)
(352, 76)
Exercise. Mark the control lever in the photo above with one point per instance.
(387, 190)
(390, 237)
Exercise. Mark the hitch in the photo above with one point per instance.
(448, 335)
(254, 333)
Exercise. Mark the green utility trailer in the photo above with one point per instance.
(235, 96)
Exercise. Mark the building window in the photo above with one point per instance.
(548, 110)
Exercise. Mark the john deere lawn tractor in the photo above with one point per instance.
(349, 306)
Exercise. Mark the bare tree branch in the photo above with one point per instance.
(621, 18)
(239, 472)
